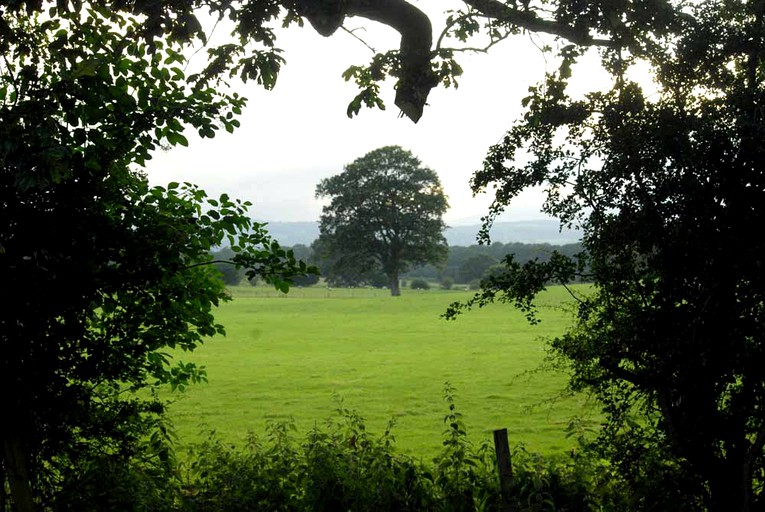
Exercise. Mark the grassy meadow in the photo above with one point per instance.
(293, 357)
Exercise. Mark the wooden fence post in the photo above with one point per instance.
(502, 449)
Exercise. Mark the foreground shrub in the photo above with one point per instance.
(341, 467)
(134, 476)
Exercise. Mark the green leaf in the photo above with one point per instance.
(175, 138)
(87, 67)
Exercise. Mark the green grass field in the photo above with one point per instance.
(386, 357)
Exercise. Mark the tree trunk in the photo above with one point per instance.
(395, 290)
(16, 473)
(726, 495)
(729, 487)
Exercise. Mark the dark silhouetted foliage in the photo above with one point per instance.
(103, 274)
(665, 180)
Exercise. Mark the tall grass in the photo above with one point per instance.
(295, 357)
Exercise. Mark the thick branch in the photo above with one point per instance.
(529, 20)
(416, 77)
(754, 452)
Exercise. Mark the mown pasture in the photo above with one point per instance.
(293, 357)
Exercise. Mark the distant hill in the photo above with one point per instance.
(293, 233)
(527, 231)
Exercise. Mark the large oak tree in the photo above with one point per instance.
(385, 212)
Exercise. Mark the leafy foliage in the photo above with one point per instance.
(664, 186)
(385, 213)
(104, 274)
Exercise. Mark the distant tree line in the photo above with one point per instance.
(469, 264)
(464, 265)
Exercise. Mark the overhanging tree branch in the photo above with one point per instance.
(415, 78)
(415, 74)
(529, 20)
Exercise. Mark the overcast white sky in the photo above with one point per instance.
(299, 133)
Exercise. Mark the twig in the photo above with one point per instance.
(205, 43)
(353, 34)
(204, 263)
(571, 292)
(484, 49)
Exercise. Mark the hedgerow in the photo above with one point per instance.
(342, 466)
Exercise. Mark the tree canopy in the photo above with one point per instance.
(102, 274)
(665, 183)
(425, 57)
(385, 213)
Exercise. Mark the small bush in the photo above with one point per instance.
(138, 476)
(447, 283)
(342, 467)
(419, 284)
